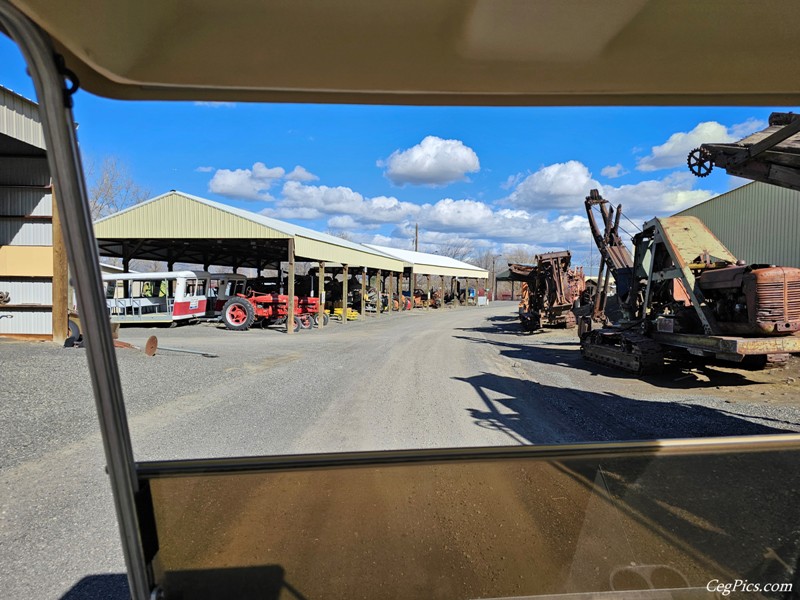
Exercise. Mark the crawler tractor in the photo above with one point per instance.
(550, 290)
(682, 292)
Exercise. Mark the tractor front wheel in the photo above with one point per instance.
(238, 314)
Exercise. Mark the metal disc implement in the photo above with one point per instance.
(151, 346)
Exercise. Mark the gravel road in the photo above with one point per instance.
(462, 377)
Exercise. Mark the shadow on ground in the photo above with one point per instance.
(111, 586)
(529, 412)
(566, 353)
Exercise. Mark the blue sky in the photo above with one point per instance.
(499, 178)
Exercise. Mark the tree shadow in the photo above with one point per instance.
(531, 413)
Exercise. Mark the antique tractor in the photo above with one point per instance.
(243, 310)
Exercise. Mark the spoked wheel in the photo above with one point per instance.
(699, 162)
(238, 314)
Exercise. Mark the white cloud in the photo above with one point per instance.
(674, 151)
(300, 174)
(742, 130)
(613, 171)
(451, 214)
(216, 104)
(657, 197)
(557, 186)
(433, 161)
(204, 169)
(298, 198)
(511, 181)
(247, 184)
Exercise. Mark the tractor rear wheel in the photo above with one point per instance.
(238, 314)
(304, 320)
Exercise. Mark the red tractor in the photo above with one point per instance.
(243, 310)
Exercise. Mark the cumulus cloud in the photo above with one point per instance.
(657, 197)
(434, 161)
(674, 151)
(300, 174)
(563, 187)
(247, 184)
(557, 186)
(254, 183)
(613, 171)
(297, 198)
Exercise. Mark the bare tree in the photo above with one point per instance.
(340, 233)
(457, 249)
(520, 256)
(111, 187)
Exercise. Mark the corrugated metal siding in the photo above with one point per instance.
(29, 322)
(26, 201)
(176, 216)
(18, 232)
(759, 223)
(24, 171)
(19, 119)
(28, 291)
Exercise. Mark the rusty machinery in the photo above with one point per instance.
(550, 290)
(683, 291)
(771, 155)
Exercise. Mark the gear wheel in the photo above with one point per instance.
(699, 161)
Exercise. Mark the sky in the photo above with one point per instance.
(497, 179)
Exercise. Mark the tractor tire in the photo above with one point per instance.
(238, 314)
(304, 321)
(74, 330)
(325, 320)
(296, 325)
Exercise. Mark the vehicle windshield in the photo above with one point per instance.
(412, 278)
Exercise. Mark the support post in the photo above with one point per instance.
(321, 295)
(390, 293)
(441, 291)
(428, 290)
(344, 293)
(364, 293)
(60, 279)
(411, 287)
(379, 287)
(290, 291)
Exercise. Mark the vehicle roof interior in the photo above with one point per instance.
(449, 52)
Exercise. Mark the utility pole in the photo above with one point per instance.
(416, 237)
